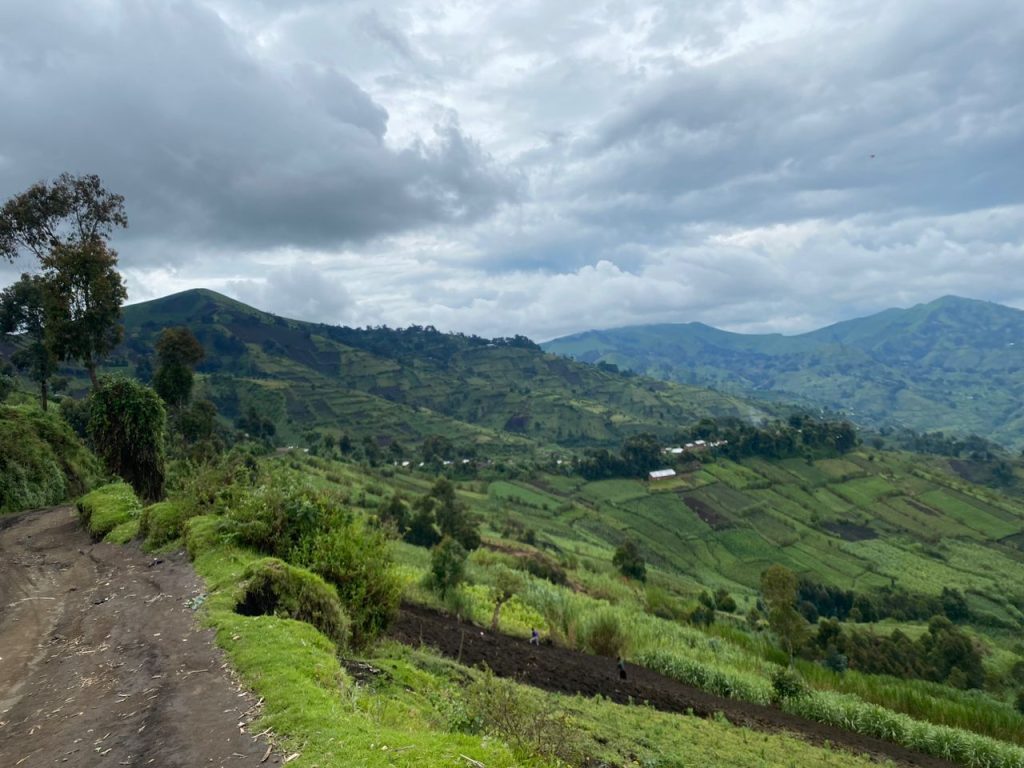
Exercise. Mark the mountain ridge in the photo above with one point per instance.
(953, 364)
(409, 384)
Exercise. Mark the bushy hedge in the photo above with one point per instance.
(285, 518)
(42, 461)
(162, 523)
(109, 507)
(356, 561)
(272, 587)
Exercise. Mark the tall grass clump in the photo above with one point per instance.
(603, 633)
(42, 460)
(849, 712)
(110, 507)
(162, 523)
(723, 682)
(936, 703)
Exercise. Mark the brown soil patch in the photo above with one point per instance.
(101, 661)
(568, 672)
(848, 531)
(707, 513)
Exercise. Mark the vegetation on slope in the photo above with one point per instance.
(42, 461)
(413, 707)
(565, 583)
(953, 365)
(501, 396)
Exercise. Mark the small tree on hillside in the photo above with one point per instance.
(178, 351)
(628, 560)
(85, 293)
(507, 584)
(779, 592)
(23, 311)
(453, 516)
(126, 424)
(447, 566)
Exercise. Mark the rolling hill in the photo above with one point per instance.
(954, 365)
(506, 394)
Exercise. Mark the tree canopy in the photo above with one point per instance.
(178, 351)
(23, 311)
(66, 225)
(68, 213)
(86, 294)
(126, 424)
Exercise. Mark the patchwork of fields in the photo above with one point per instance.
(867, 521)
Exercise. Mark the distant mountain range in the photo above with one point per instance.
(504, 395)
(953, 365)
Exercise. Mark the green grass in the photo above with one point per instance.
(42, 462)
(113, 510)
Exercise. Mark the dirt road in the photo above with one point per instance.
(564, 671)
(101, 663)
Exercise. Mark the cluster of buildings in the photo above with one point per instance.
(695, 447)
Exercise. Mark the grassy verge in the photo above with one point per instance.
(111, 512)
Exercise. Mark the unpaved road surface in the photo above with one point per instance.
(565, 671)
(101, 662)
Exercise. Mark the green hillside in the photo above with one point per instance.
(503, 394)
(899, 531)
(953, 365)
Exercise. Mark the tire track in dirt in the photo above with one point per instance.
(101, 662)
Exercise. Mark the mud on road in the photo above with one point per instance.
(101, 661)
(565, 671)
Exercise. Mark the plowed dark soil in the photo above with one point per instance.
(101, 662)
(564, 671)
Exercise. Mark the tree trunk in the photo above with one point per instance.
(43, 394)
(91, 367)
(497, 613)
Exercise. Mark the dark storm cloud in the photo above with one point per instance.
(899, 110)
(210, 142)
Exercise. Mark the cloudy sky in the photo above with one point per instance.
(536, 167)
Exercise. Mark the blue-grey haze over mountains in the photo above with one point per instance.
(537, 169)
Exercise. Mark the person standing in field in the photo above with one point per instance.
(534, 637)
(622, 668)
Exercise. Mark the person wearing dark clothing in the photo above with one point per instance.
(622, 668)
(534, 637)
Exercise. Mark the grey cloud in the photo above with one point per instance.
(210, 143)
(788, 130)
(299, 291)
(708, 160)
